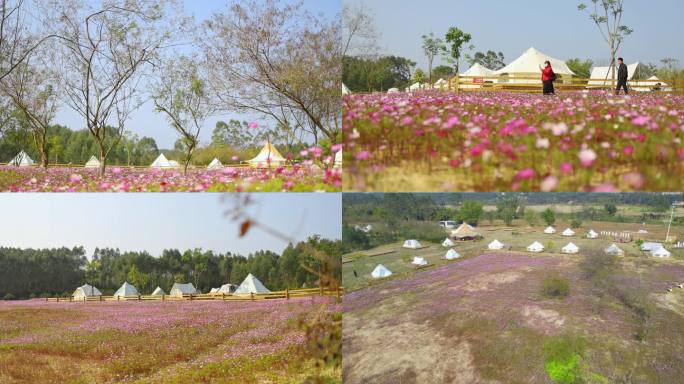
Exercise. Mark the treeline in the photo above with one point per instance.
(26, 273)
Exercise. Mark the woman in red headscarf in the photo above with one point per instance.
(547, 78)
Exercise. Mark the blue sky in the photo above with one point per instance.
(153, 222)
(145, 122)
(555, 27)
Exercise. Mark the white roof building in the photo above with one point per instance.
(535, 247)
(660, 252)
(22, 159)
(179, 289)
(447, 243)
(126, 290)
(93, 162)
(86, 290)
(161, 162)
(419, 261)
(268, 157)
(345, 90)
(613, 249)
(452, 254)
(412, 244)
(215, 164)
(527, 65)
(251, 285)
(549, 230)
(603, 76)
(158, 292)
(568, 232)
(570, 248)
(380, 271)
(226, 289)
(650, 246)
(591, 234)
(496, 244)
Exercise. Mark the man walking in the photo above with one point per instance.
(621, 77)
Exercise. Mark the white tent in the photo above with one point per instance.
(447, 243)
(614, 250)
(179, 289)
(476, 75)
(86, 290)
(93, 162)
(21, 160)
(268, 157)
(161, 162)
(338, 159)
(416, 86)
(661, 252)
(345, 90)
(419, 261)
(568, 232)
(496, 244)
(126, 290)
(215, 164)
(393, 90)
(535, 247)
(412, 244)
(549, 230)
(380, 271)
(570, 248)
(650, 246)
(440, 84)
(645, 86)
(251, 285)
(213, 290)
(642, 231)
(174, 164)
(158, 292)
(452, 254)
(527, 65)
(591, 234)
(602, 75)
(226, 288)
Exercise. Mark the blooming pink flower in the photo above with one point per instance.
(407, 120)
(634, 179)
(549, 183)
(363, 155)
(75, 178)
(628, 150)
(566, 168)
(524, 174)
(336, 148)
(587, 157)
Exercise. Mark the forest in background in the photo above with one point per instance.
(28, 273)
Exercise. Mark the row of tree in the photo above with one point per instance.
(36, 272)
(105, 59)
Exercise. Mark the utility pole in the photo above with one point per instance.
(670, 223)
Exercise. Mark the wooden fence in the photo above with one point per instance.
(534, 84)
(286, 294)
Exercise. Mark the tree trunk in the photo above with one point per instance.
(102, 159)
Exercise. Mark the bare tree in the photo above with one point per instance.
(359, 33)
(30, 88)
(607, 15)
(106, 52)
(181, 94)
(277, 61)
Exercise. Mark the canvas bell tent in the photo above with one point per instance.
(601, 76)
(535, 247)
(93, 162)
(412, 244)
(380, 271)
(345, 90)
(22, 159)
(550, 230)
(614, 250)
(268, 157)
(527, 66)
(650, 246)
(568, 232)
(448, 243)
(85, 291)
(226, 289)
(440, 84)
(161, 162)
(251, 285)
(452, 254)
(179, 289)
(393, 90)
(660, 252)
(570, 248)
(158, 292)
(476, 76)
(215, 164)
(496, 244)
(419, 261)
(591, 234)
(126, 290)
(465, 232)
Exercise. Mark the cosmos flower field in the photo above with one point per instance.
(503, 141)
(157, 342)
(122, 179)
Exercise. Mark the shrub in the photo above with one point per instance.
(555, 287)
(9, 296)
(563, 359)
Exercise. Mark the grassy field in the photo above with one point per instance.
(488, 318)
(159, 342)
(516, 238)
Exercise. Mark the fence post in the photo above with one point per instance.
(138, 297)
(71, 298)
(191, 297)
(57, 299)
(287, 293)
(223, 296)
(163, 297)
(457, 83)
(320, 289)
(338, 293)
(251, 295)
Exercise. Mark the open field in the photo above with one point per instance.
(398, 259)
(485, 319)
(121, 179)
(158, 342)
(501, 141)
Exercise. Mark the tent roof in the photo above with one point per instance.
(126, 289)
(215, 164)
(345, 90)
(478, 70)
(93, 162)
(381, 271)
(603, 73)
(267, 152)
(186, 288)
(536, 244)
(158, 292)
(251, 285)
(530, 61)
(495, 242)
(452, 254)
(161, 162)
(464, 230)
(88, 290)
(21, 159)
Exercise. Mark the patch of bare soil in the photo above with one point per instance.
(542, 319)
(673, 301)
(490, 282)
(404, 352)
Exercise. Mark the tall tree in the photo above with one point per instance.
(607, 15)
(470, 212)
(181, 94)
(106, 53)
(455, 38)
(431, 47)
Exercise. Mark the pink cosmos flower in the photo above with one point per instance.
(566, 168)
(524, 174)
(75, 178)
(628, 150)
(407, 120)
(634, 179)
(549, 183)
(363, 155)
(605, 187)
(587, 157)
(336, 148)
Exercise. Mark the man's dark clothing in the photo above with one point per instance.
(621, 78)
